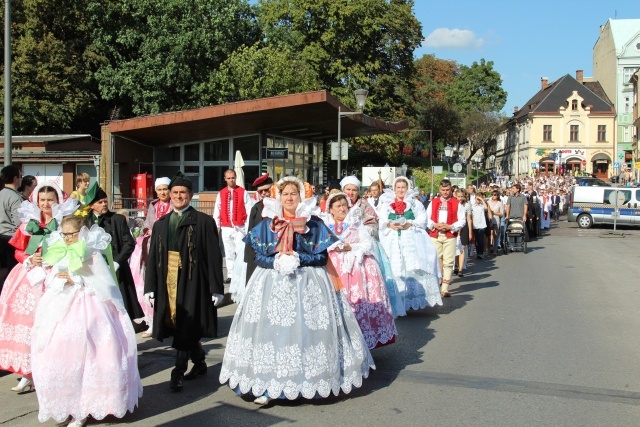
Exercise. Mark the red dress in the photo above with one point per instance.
(18, 303)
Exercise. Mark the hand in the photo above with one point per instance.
(36, 259)
(65, 276)
(217, 299)
(149, 298)
(406, 226)
(345, 248)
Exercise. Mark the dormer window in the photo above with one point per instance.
(574, 105)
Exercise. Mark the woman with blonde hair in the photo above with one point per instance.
(82, 184)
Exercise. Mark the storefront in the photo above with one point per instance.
(601, 163)
(547, 166)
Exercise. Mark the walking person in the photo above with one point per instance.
(24, 285)
(479, 209)
(10, 201)
(465, 235)
(293, 334)
(183, 281)
(230, 212)
(496, 211)
(83, 346)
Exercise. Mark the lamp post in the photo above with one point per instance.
(492, 163)
(448, 153)
(361, 99)
(7, 83)
(476, 160)
(96, 163)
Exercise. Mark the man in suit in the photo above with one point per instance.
(555, 205)
(262, 185)
(122, 245)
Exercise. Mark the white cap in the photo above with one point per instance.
(162, 181)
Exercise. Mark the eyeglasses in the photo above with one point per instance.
(69, 235)
(264, 190)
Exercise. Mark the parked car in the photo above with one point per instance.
(587, 181)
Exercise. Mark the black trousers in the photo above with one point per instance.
(7, 256)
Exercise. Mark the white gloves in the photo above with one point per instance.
(149, 298)
(286, 264)
(217, 299)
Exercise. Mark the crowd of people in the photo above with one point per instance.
(319, 281)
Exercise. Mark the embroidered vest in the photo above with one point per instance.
(239, 210)
(452, 215)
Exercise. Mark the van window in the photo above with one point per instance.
(607, 193)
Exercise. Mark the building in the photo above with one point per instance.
(568, 125)
(636, 123)
(203, 142)
(58, 158)
(616, 56)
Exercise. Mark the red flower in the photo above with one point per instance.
(398, 207)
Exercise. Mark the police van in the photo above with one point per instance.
(594, 205)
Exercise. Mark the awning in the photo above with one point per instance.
(573, 160)
(600, 156)
(547, 160)
(312, 116)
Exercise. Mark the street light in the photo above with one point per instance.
(448, 153)
(476, 160)
(96, 163)
(361, 99)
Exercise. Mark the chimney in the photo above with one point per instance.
(545, 82)
(515, 110)
(579, 76)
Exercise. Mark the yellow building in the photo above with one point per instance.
(568, 126)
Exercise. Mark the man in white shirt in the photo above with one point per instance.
(230, 212)
(445, 217)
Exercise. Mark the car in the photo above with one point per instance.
(588, 181)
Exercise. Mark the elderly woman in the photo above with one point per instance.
(359, 272)
(413, 257)
(157, 209)
(292, 334)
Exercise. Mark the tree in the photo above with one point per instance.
(255, 72)
(481, 128)
(52, 68)
(477, 88)
(159, 55)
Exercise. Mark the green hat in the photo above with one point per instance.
(180, 180)
(94, 193)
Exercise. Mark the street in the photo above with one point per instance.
(545, 338)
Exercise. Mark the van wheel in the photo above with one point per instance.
(585, 221)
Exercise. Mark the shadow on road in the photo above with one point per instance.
(227, 415)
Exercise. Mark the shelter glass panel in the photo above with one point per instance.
(217, 150)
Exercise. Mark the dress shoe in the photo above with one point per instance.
(197, 371)
(177, 380)
(24, 386)
(455, 271)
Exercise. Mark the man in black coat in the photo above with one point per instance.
(262, 185)
(122, 245)
(184, 280)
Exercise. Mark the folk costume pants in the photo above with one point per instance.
(229, 248)
(446, 248)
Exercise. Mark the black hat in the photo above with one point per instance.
(180, 180)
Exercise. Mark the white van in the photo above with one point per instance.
(591, 205)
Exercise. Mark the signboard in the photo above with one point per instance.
(457, 167)
(370, 174)
(335, 151)
(277, 153)
(437, 170)
(534, 165)
(616, 164)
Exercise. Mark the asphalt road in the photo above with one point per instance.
(547, 338)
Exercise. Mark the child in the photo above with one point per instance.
(83, 347)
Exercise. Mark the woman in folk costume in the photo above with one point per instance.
(293, 335)
(413, 257)
(359, 271)
(369, 218)
(24, 286)
(83, 347)
(157, 209)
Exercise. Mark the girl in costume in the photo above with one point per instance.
(138, 261)
(359, 271)
(368, 218)
(24, 284)
(83, 346)
(293, 335)
(413, 257)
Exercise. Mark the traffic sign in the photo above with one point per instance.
(457, 167)
(616, 164)
(616, 198)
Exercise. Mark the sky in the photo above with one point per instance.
(525, 40)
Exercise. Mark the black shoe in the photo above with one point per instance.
(479, 257)
(177, 379)
(460, 274)
(455, 271)
(226, 282)
(197, 371)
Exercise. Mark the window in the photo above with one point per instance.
(628, 72)
(249, 146)
(216, 150)
(574, 105)
(167, 154)
(602, 133)
(627, 105)
(546, 133)
(573, 133)
(607, 194)
(192, 152)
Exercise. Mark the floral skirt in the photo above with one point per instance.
(85, 359)
(18, 304)
(137, 271)
(294, 336)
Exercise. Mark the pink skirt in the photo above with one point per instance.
(18, 304)
(85, 360)
(137, 271)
